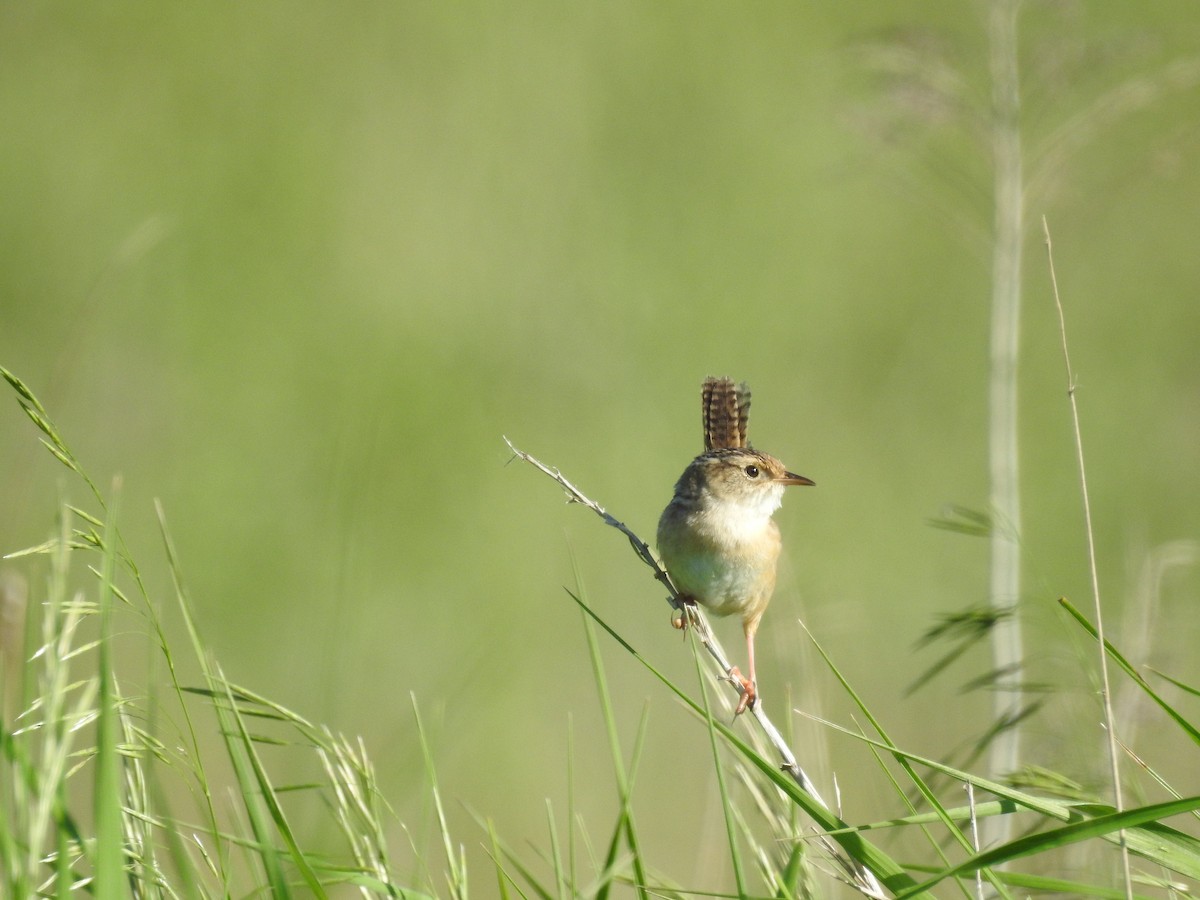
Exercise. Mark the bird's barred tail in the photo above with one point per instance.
(725, 407)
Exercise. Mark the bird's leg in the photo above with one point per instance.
(749, 685)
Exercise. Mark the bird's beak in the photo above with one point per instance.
(793, 478)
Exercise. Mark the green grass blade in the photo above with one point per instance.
(573, 874)
(502, 879)
(956, 813)
(183, 603)
(735, 857)
(268, 794)
(560, 872)
(1183, 686)
(1187, 727)
(1060, 887)
(626, 822)
(456, 866)
(626, 826)
(1100, 826)
(109, 858)
(1158, 843)
(500, 849)
(610, 867)
(252, 801)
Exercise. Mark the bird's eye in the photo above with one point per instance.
(752, 471)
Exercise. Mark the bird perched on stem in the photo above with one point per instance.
(716, 537)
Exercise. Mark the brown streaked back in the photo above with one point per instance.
(725, 408)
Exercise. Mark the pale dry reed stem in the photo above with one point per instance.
(1004, 593)
(975, 838)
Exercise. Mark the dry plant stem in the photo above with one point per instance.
(975, 838)
(863, 879)
(1106, 692)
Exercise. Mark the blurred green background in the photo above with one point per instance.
(294, 269)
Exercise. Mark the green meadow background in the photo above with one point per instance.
(295, 269)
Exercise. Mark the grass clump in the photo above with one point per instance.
(173, 793)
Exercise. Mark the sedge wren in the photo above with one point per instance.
(716, 537)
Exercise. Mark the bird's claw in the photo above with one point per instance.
(749, 691)
(685, 614)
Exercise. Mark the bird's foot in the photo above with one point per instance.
(685, 614)
(749, 691)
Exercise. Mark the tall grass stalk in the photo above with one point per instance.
(1110, 725)
(1005, 583)
(1014, 185)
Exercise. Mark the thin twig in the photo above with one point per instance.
(1106, 692)
(864, 880)
(574, 495)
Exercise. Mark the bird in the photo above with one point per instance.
(717, 539)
